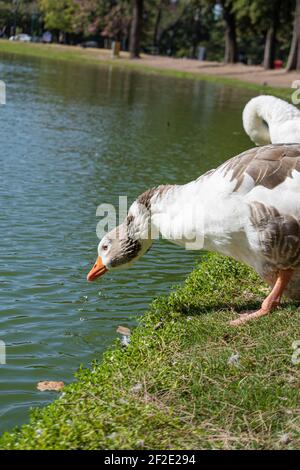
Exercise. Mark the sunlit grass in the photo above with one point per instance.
(188, 380)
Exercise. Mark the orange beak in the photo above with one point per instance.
(97, 270)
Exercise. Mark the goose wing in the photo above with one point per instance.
(267, 166)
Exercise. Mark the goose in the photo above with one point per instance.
(248, 209)
(270, 120)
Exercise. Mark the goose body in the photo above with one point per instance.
(268, 119)
(248, 208)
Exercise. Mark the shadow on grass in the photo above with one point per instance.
(219, 307)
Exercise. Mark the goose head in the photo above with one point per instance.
(256, 117)
(122, 246)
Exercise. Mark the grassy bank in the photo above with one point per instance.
(187, 380)
(93, 57)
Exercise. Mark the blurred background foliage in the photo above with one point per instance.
(249, 31)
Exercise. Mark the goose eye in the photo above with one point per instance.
(104, 247)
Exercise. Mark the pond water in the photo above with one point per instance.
(73, 137)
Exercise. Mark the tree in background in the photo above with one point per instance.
(117, 21)
(177, 27)
(158, 16)
(264, 23)
(136, 29)
(58, 16)
(19, 16)
(271, 36)
(294, 55)
(171, 17)
(91, 16)
(15, 11)
(225, 9)
(6, 17)
(231, 48)
(102, 18)
(256, 31)
(85, 19)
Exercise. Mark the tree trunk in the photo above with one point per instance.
(15, 11)
(136, 28)
(231, 52)
(157, 23)
(196, 34)
(270, 45)
(294, 56)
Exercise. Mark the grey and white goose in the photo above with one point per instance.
(248, 208)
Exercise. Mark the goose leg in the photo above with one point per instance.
(271, 302)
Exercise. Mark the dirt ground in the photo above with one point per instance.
(248, 73)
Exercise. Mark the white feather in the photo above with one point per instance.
(268, 119)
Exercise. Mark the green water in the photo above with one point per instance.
(71, 138)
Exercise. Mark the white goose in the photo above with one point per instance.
(270, 120)
(248, 208)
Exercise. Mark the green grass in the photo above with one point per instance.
(54, 52)
(173, 387)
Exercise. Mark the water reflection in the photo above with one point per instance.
(71, 138)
